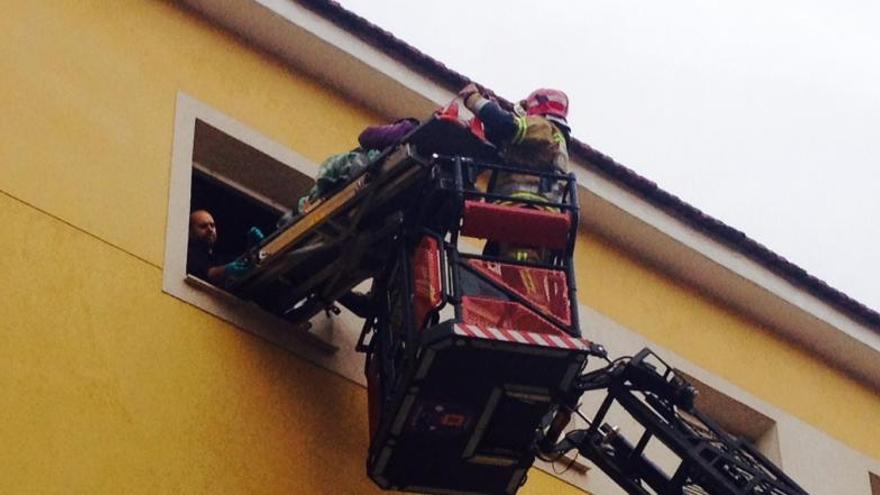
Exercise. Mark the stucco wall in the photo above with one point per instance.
(92, 87)
(112, 386)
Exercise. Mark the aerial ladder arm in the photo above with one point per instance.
(710, 460)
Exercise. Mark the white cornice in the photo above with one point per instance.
(728, 275)
(310, 43)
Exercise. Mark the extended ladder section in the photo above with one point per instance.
(705, 460)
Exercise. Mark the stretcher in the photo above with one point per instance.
(346, 238)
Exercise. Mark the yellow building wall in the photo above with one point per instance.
(92, 86)
(111, 385)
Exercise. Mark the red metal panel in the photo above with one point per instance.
(547, 289)
(515, 224)
(427, 283)
(499, 314)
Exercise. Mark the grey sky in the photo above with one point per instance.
(765, 115)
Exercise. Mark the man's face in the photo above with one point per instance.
(202, 228)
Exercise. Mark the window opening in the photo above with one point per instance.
(738, 418)
(233, 212)
(241, 187)
(244, 179)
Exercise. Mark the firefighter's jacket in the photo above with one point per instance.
(528, 141)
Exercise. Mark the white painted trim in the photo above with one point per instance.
(727, 275)
(320, 343)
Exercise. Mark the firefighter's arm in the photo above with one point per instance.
(501, 126)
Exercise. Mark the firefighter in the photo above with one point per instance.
(535, 137)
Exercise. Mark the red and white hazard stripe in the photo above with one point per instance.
(530, 338)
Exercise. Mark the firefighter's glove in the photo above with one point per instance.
(467, 91)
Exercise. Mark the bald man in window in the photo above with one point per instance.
(201, 260)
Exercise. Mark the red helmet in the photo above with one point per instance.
(547, 102)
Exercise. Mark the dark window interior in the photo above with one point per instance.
(241, 186)
(233, 212)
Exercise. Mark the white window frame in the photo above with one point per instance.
(319, 343)
(739, 418)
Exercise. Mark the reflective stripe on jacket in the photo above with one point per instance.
(537, 145)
